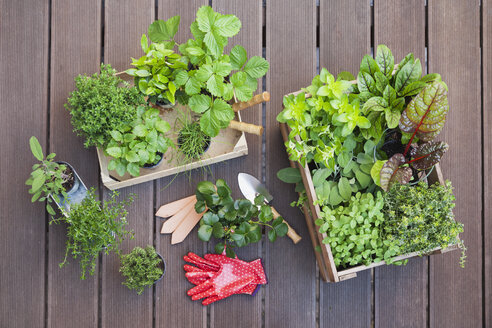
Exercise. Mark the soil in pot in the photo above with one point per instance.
(69, 178)
(152, 165)
(392, 143)
(192, 142)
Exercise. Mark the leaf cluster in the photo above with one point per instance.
(238, 222)
(94, 227)
(200, 73)
(141, 268)
(420, 218)
(47, 177)
(139, 142)
(100, 104)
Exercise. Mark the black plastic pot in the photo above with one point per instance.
(163, 268)
(151, 166)
(75, 195)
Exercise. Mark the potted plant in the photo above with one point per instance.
(53, 181)
(199, 74)
(142, 267)
(94, 227)
(100, 104)
(237, 222)
(140, 143)
(347, 137)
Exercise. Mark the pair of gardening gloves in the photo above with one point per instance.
(218, 276)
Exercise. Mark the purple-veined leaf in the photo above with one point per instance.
(428, 154)
(391, 172)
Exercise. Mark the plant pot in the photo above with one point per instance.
(163, 267)
(204, 148)
(151, 166)
(75, 195)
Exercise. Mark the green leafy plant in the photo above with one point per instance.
(234, 220)
(420, 218)
(100, 104)
(138, 143)
(48, 179)
(142, 267)
(94, 227)
(200, 73)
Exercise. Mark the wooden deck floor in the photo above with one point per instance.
(44, 44)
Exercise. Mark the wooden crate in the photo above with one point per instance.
(228, 144)
(324, 256)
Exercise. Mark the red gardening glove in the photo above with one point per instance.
(234, 277)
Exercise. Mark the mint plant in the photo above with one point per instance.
(140, 142)
(100, 104)
(94, 227)
(238, 222)
(141, 268)
(199, 74)
(48, 179)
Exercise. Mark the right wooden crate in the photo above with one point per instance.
(324, 257)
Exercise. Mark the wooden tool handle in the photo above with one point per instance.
(291, 232)
(246, 127)
(258, 99)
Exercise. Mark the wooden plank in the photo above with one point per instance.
(343, 43)
(125, 22)
(23, 113)
(173, 308)
(455, 293)
(401, 292)
(75, 49)
(487, 156)
(290, 299)
(242, 310)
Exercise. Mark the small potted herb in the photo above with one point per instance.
(142, 267)
(54, 181)
(141, 143)
(238, 222)
(192, 142)
(100, 104)
(94, 227)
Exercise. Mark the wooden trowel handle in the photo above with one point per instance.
(246, 127)
(291, 232)
(258, 99)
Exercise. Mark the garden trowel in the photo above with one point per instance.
(252, 187)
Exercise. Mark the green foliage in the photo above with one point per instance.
(200, 74)
(420, 218)
(47, 177)
(141, 268)
(234, 220)
(139, 142)
(100, 104)
(192, 142)
(354, 231)
(93, 228)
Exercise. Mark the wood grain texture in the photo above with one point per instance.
(75, 49)
(125, 22)
(487, 156)
(344, 34)
(401, 292)
(290, 299)
(343, 43)
(242, 310)
(23, 113)
(173, 308)
(455, 293)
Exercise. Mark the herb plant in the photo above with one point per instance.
(100, 104)
(192, 142)
(420, 218)
(234, 220)
(94, 227)
(138, 143)
(200, 73)
(141, 268)
(48, 179)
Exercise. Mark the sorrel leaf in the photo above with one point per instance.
(391, 172)
(428, 154)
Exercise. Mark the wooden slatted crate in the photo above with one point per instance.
(324, 257)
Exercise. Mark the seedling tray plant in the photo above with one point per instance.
(355, 145)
